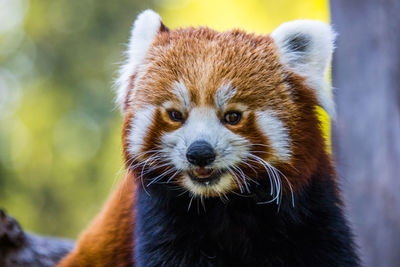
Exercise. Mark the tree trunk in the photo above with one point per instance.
(366, 136)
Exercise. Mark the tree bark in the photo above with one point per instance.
(366, 136)
(20, 249)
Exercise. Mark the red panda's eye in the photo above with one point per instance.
(232, 117)
(175, 116)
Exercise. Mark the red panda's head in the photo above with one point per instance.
(214, 112)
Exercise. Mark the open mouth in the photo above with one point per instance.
(205, 176)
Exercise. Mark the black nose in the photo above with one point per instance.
(200, 153)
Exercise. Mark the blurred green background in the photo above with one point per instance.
(60, 152)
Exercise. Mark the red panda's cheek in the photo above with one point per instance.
(137, 127)
(275, 132)
(143, 128)
(268, 135)
(249, 129)
(159, 126)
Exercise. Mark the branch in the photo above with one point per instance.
(18, 248)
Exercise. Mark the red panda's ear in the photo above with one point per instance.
(306, 47)
(144, 30)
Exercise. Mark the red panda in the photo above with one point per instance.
(226, 163)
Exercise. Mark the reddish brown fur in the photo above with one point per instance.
(108, 241)
(204, 60)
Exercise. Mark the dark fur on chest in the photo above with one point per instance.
(241, 232)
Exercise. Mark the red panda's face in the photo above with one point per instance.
(215, 112)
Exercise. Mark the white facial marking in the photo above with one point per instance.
(223, 95)
(306, 47)
(140, 124)
(277, 133)
(182, 93)
(143, 33)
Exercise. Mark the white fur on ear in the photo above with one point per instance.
(306, 47)
(144, 30)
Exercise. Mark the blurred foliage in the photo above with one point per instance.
(59, 130)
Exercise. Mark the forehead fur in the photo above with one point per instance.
(204, 60)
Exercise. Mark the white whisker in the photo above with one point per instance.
(190, 203)
(276, 179)
(159, 177)
(236, 178)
